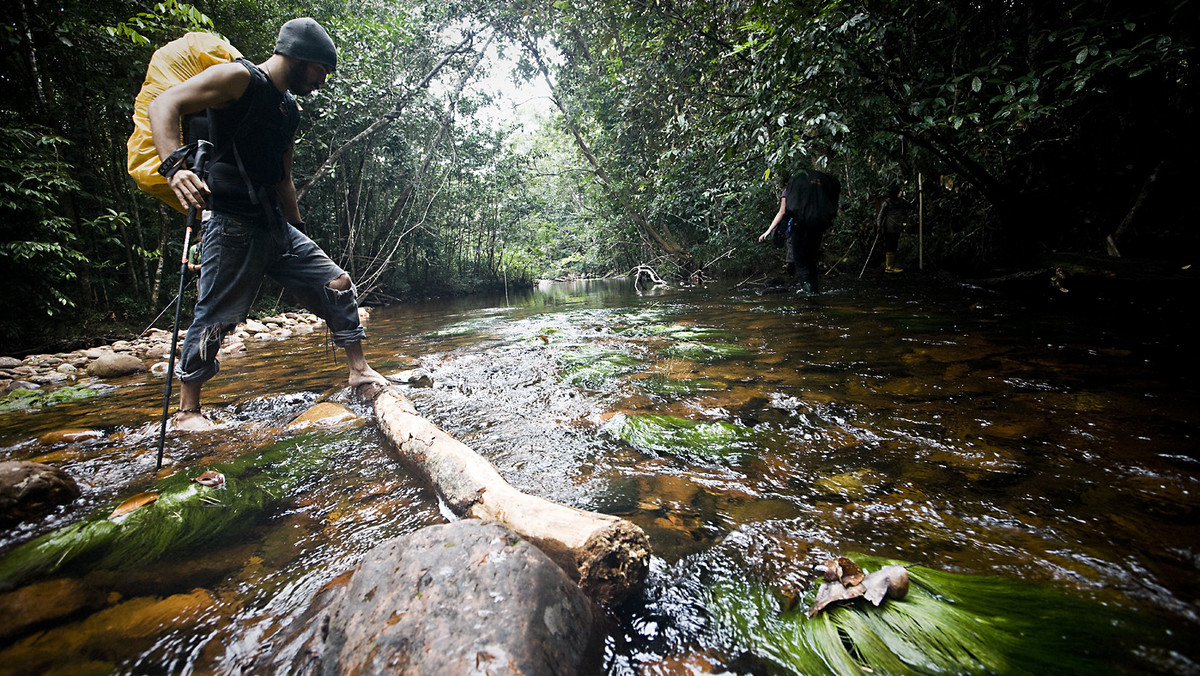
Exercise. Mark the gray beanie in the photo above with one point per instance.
(306, 40)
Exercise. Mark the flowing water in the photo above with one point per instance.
(751, 435)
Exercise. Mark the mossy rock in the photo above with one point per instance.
(708, 440)
(18, 400)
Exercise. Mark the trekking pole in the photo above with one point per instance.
(199, 165)
(869, 254)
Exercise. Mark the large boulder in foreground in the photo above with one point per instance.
(469, 597)
(29, 490)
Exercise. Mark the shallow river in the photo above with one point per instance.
(751, 435)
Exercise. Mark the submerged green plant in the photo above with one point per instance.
(708, 440)
(693, 351)
(592, 366)
(947, 624)
(184, 515)
(678, 332)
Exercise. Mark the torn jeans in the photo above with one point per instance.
(236, 254)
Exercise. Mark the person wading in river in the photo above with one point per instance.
(810, 200)
(781, 227)
(255, 227)
(889, 223)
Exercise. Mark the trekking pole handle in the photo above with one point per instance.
(200, 161)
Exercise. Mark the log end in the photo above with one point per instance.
(614, 562)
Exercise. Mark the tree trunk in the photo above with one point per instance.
(1147, 187)
(608, 556)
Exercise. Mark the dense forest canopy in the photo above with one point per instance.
(1027, 126)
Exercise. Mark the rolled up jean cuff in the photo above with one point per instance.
(341, 315)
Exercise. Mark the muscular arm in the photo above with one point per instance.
(215, 87)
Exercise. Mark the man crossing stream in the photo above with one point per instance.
(256, 227)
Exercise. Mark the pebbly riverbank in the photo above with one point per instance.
(149, 352)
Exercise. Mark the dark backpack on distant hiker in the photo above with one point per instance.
(812, 198)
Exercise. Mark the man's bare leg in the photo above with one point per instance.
(189, 417)
(360, 372)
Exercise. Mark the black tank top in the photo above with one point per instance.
(257, 130)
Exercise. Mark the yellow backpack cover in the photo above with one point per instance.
(173, 63)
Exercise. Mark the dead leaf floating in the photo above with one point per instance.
(890, 582)
(211, 478)
(846, 581)
(139, 500)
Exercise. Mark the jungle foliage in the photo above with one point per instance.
(1027, 126)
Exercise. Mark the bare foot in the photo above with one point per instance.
(193, 422)
(366, 375)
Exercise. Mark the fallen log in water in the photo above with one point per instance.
(608, 556)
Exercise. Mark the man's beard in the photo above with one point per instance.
(297, 81)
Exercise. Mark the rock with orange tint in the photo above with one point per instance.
(69, 436)
(111, 634)
(326, 414)
(35, 604)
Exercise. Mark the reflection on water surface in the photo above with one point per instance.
(751, 436)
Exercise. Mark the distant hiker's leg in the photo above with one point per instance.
(891, 246)
(808, 240)
(789, 257)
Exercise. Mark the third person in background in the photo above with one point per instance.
(889, 222)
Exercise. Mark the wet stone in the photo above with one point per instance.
(465, 597)
(29, 490)
(36, 604)
(113, 365)
(69, 436)
(326, 414)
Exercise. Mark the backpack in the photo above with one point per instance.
(812, 197)
(173, 63)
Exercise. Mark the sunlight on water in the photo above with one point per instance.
(750, 435)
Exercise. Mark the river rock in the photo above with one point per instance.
(15, 385)
(114, 365)
(27, 607)
(469, 597)
(326, 414)
(9, 362)
(157, 351)
(69, 436)
(254, 326)
(30, 489)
